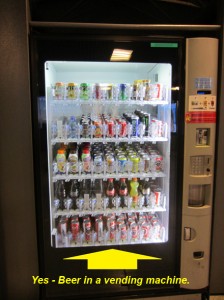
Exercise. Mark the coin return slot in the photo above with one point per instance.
(198, 254)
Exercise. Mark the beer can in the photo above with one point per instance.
(123, 232)
(99, 229)
(87, 229)
(134, 231)
(75, 227)
(146, 230)
(112, 229)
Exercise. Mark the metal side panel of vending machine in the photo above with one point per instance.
(199, 151)
(107, 164)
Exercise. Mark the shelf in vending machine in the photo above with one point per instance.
(109, 243)
(106, 212)
(109, 140)
(153, 102)
(106, 176)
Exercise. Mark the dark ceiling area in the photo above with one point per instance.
(127, 11)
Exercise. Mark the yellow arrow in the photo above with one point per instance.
(112, 259)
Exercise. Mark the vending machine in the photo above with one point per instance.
(113, 169)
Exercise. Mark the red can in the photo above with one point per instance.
(123, 231)
(75, 227)
(146, 230)
(123, 128)
(134, 231)
(87, 230)
(112, 227)
(110, 128)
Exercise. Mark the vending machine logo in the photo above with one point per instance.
(112, 260)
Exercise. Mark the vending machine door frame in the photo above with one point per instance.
(48, 256)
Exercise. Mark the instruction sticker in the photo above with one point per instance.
(202, 103)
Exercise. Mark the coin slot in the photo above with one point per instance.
(198, 254)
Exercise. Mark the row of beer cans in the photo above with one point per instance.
(116, 229)
(139, 90)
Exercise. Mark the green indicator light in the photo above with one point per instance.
(164, 45)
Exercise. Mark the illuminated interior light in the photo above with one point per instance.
(121, 55)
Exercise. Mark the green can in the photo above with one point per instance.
(135, 163)
(84, 91)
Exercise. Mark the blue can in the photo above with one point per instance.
(135, 125)
(123, 91)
